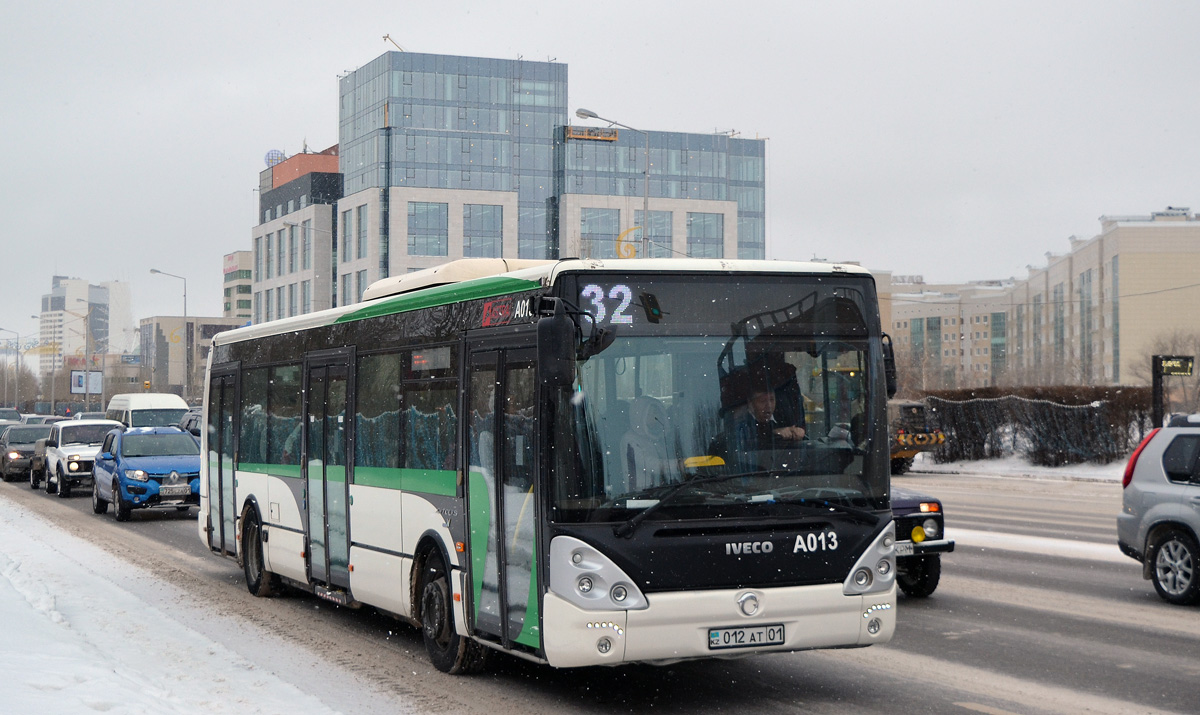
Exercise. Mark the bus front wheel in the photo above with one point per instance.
(259, 581)
(448, 651)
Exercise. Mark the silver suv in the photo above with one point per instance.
(1160, 514)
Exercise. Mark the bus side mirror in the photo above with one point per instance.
(556, 344)
(889, 367)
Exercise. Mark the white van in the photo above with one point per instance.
(146, 409)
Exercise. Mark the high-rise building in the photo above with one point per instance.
(293, 260)
(82, 320)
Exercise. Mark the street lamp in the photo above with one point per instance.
(187, 362)
(589, 114)
(88, 347)
(17, 389)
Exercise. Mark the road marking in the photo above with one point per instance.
(1046, 546)
(1153, 617)
(985, 709)
(1024, 695)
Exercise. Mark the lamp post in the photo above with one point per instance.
(589, 114)
(187, 360)
(87, 351)
(17, 389)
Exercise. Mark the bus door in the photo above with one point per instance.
(502, 494)
(222, 502)
(325, 468)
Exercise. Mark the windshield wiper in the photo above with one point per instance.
(626, 530)
(866, 517)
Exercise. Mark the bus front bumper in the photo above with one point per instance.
(681, 626)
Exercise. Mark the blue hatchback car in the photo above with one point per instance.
(144, 467)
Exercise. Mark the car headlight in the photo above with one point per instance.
(14, 455)
(136, 474)
(932, 529)
(73, 458)
(73, 467)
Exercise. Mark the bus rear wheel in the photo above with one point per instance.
(448, 651)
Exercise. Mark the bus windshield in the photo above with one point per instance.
(766, 412)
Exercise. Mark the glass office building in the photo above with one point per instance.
(420, 121)
(707, 192)
(443, 157)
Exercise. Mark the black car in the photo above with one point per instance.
(192, 421)
(16, 449)
(920, 541)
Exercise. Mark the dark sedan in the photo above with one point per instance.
(16, 449)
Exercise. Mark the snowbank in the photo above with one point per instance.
(1017, 467)
(77, 639)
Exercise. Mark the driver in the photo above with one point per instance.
(753, 428)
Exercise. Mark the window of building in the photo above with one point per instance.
(306, 245)
(598, 231)
(483, 226)
(346, 235)
(706, 235)
(346, 295)
(362, 232)
(266, 304)
(279, 305)
(291, 249)
(280, 257)
(362, 284)
(305, 297)
(428, 228)
(267, 262)
(258, 258)
(658, 231)
(291, 294)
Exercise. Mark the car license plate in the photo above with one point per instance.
(751, 637)
(177, 491)
(904, 548)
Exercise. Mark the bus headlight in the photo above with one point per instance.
(875, 570)
(586, 578)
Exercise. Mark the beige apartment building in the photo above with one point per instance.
(1093, 315)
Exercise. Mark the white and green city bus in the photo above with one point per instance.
(556, 459)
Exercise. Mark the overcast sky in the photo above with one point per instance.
(957, 140)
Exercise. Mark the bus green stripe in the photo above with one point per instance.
(275, 470)
(442, 295)
(443, 482)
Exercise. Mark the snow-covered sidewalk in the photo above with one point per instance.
(80, 635)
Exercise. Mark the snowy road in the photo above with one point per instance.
(1036, 613)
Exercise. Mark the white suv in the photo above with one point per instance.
(71, 450)
(1160, 515)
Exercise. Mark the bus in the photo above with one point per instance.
(550, 458)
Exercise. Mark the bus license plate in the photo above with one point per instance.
(752, 637)
(904, 548)
(181, 491)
